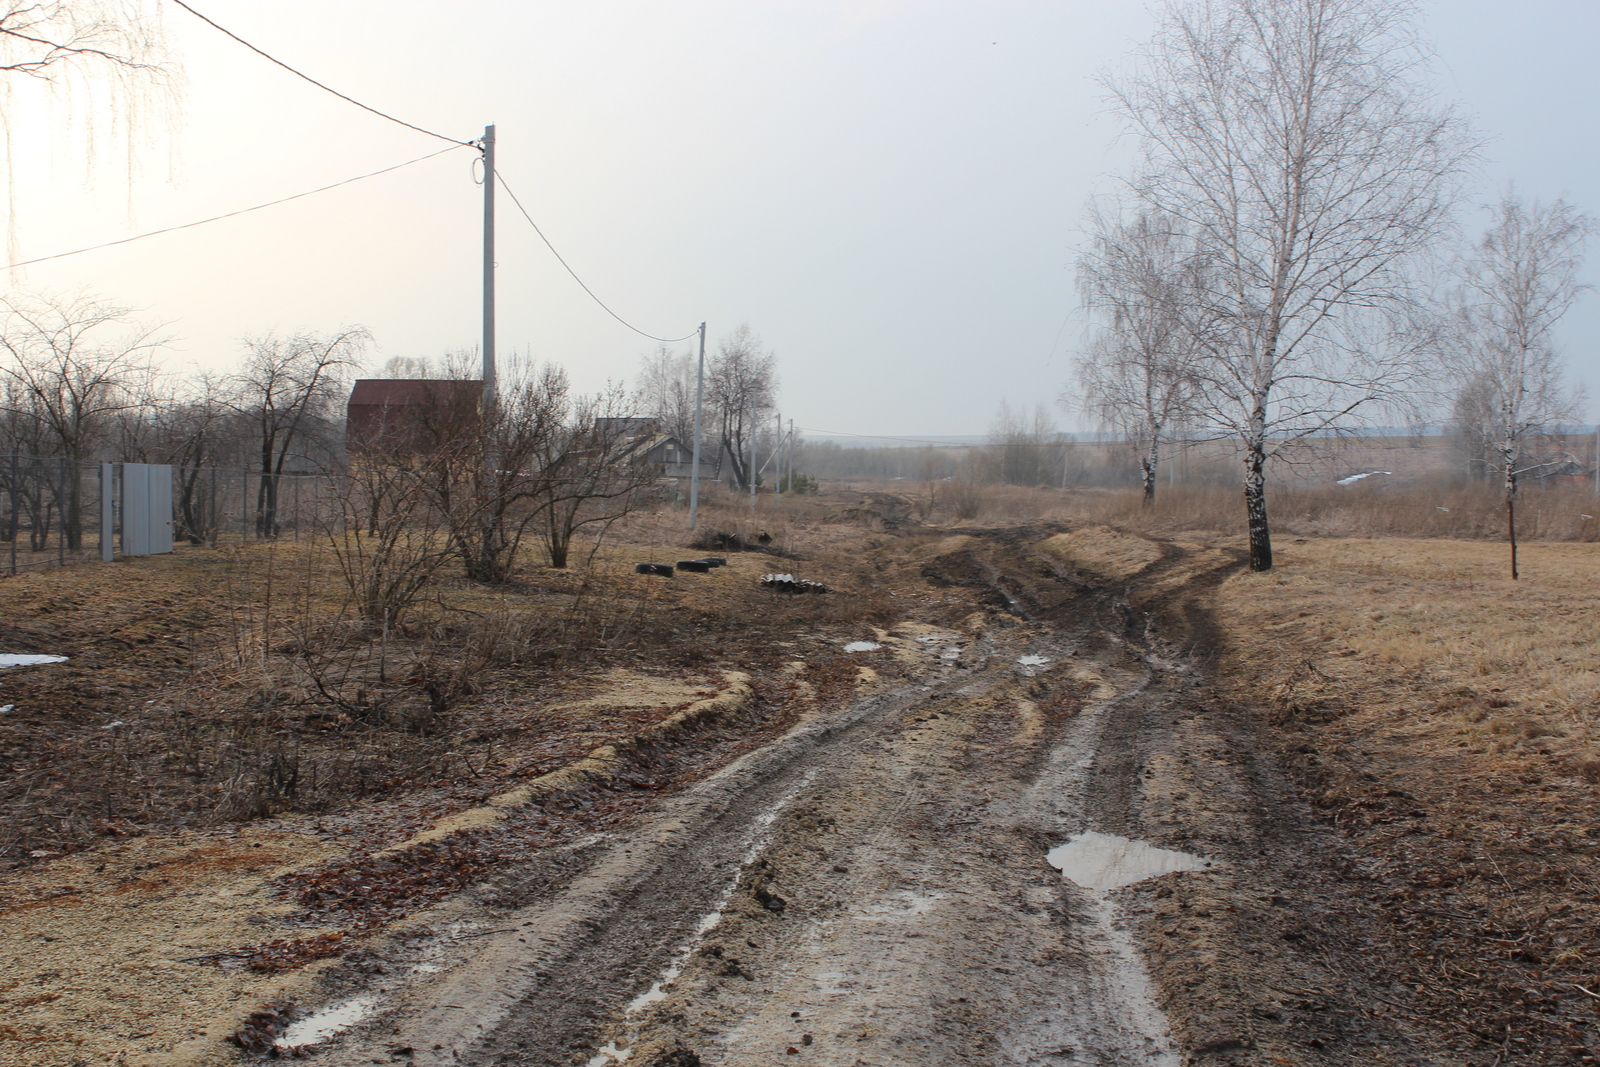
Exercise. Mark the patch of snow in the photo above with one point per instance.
(5, 708)
(1103, 862)
(113, 725)
(862, 646)
(12, 660)
(1354, 478)
(1032, 661)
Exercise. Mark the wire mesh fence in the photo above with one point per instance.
(54, 512)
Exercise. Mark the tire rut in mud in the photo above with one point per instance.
(873, 888)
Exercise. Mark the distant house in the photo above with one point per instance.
(411, 414)
(654, 446)
(676, 459)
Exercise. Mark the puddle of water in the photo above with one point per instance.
(609, 1053)
(1103, 862)
(862, 646)
(315, 1029)
(13, 660)
(1032, 661)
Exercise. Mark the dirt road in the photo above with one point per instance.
(881, 884)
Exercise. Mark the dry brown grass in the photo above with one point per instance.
(229, 684)
(1445, 611)
(1102, 550)
(1564, 513)
(1447, 721)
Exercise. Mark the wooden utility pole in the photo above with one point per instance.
(699, 400)
(777, 456)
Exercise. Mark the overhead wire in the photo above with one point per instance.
(300, 74)
(233, 214)
(582, 284)
(454, 142)
(881, 437)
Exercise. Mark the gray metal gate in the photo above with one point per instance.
(146, 509)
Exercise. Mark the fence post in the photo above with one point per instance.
(107, 480)
(16, 526)
(61, 510)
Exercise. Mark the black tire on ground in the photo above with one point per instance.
(694, 566)
(663, 569)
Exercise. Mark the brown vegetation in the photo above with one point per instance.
(1445, 720)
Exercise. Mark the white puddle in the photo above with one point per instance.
(10, 659)
(1032, 665)
(315, 1029)
(862, 646)
(609, 1053)
(1103, 862)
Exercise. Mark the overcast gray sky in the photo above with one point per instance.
(888, 191)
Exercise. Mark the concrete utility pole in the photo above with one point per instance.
(699, 400)
(750, 468)
(488, 268)
(777, 456)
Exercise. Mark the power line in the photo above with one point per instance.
(313, 81)
(231, 214)
(580, 281)
(881, 437)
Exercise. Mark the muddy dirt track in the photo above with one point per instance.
(876, 887)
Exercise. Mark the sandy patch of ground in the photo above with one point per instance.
(1103, 550)
(104, 951)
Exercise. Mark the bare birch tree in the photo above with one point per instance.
(1295, 141)
(1138, 375)
(1519, 281)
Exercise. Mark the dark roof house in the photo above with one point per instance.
(411, 414)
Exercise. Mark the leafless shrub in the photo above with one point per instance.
(966, 493)
(387, 537)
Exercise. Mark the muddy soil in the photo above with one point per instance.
(876, 886)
